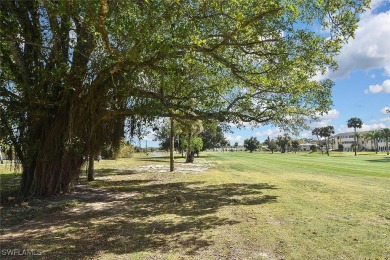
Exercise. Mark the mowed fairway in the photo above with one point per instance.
(245, 206)
(325, 207)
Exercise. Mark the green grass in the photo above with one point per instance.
(246, 206)
(9, 180)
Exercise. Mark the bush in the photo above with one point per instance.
(126, 151)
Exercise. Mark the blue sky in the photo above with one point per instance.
(362, 82)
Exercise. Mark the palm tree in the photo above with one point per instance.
(316, 131)
(386, 135)
(376, 135)
(370, 137)
(358, 137)
(326, 132)
(355, 122)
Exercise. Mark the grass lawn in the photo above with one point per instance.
(231, 205)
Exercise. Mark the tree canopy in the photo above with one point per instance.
(251, 144)
(70, 69)
(354, 123)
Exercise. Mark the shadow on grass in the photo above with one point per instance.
(382, 160)
(137, 216)
(111, 171)
(154, 159)
(165, 159)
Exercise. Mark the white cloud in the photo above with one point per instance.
(242, 124)
(331, 115)
(365, 127)
(384, 110)
(372, 127)
(375, 4)
(272, 133)
(326, 119)
(370, 49)
(233, 139)
(384, 87)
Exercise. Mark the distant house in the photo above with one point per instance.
(305, 147)
(347, 140)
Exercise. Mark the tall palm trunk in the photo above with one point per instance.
(172, 147)
(356, 144)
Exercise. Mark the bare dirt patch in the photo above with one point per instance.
(199, 166)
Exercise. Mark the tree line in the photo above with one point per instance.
(286, 143)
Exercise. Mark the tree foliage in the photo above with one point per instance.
(69, 69)
(326, 133)
(354, 123)
(284, 142)
(295, 145)
(162, 134)
(212, 135)
(386, 136)
(251, 144)
(272, 145)
(376, 135)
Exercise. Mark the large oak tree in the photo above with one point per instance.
(70, 69)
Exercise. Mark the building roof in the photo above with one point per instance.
(350, 133)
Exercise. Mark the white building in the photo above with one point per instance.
(306, 146)
(347, 140)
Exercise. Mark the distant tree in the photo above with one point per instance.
(376, 135)
(162, 135)
(340, 147)
(272, 145)
(212, 135)
(368, 136)
(236, 145)
(386, 136)
(283, 142)
(190, 129)
(267, 141)
(196, 144)
(355, 146)
(354, 123)
(224, 143)
(316, 131)
(326, 132)
(360, 136)
(251, 144)
(313, 148)
(295, 145)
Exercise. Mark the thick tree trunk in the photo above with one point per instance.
(91, 166)
(47, 175)
(190, 154)
(53, 160)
